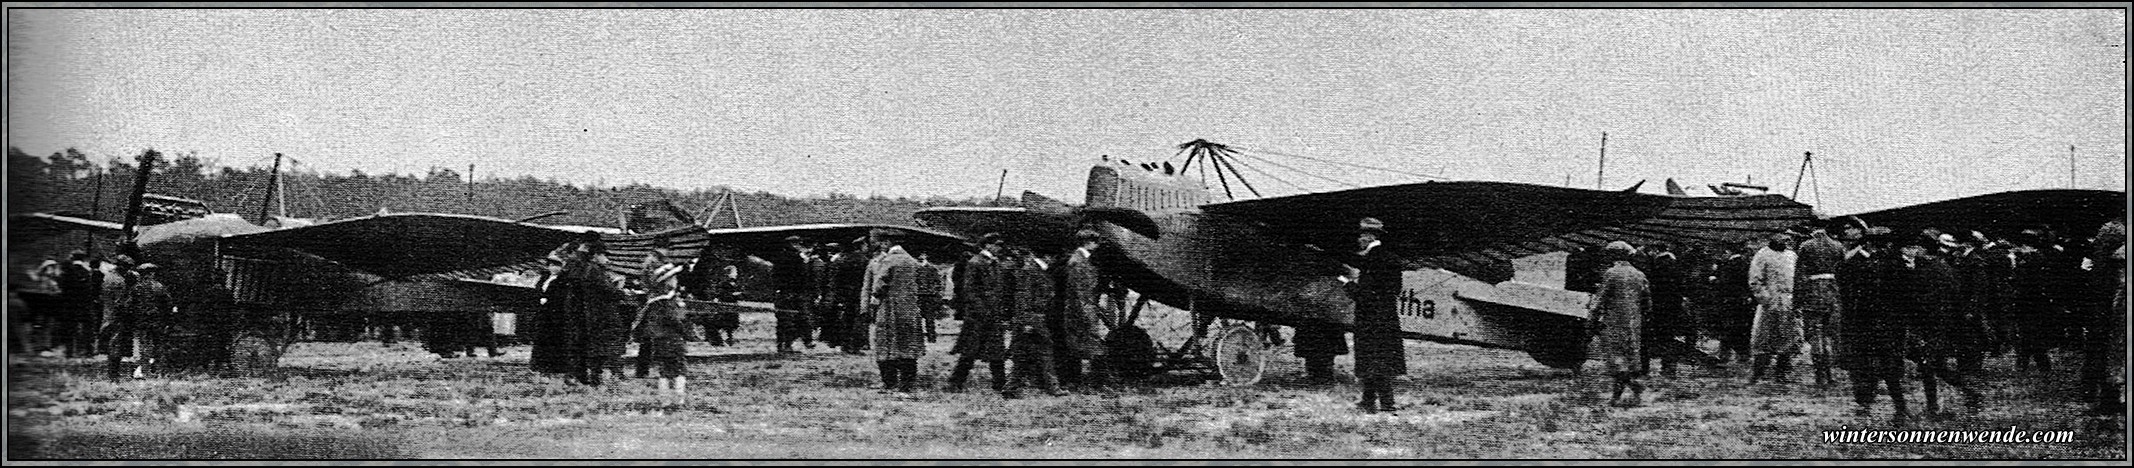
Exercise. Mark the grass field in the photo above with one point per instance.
(365, 400)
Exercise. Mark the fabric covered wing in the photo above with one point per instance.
(1044, 230)
(2074, 213)
(409, 244)
(1476, 227)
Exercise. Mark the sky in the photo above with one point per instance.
(1899, 106)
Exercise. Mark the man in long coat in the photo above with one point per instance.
(1032, 300)
(1381, 356)
(117, 331)
(1816, 297)
(1926, 299)
(552, 352)
(79, 316)
(1666, 320)
(1083, 318)
(849, 277)
(1618, 310)
(796, 294)
(1871, 336)
(984, 299)
(1776, 335)
(892, 297)
(2038, 306)
(1733, 313)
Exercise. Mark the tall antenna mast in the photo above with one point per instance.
(1603, 173)
(2070, 166)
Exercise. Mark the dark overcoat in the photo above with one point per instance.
(1379, 349)
(1082, 326)
(985, 298)
(1031, 298)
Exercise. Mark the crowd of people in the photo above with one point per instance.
(1879, 305)
(122, 311)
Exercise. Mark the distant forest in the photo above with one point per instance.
(66, 182)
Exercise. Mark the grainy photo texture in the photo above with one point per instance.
(1455, 234)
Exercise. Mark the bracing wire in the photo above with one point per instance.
(1256, 170)
(1300, 171)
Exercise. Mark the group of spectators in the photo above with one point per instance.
(123, 311)
(1879, 305)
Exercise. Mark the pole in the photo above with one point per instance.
(1002, 188)
(274, 178)
(470, 186)
(2070, 166)
(1603, 173)
(1804, 173)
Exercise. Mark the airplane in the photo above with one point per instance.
(424, 263)
(1472, 247)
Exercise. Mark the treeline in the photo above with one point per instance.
(67, 182)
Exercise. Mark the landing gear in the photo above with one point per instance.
(1240, 356)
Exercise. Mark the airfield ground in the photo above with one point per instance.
(368, 401)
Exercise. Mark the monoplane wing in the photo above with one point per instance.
(407, 244)
(626, 253)
(46, 224)
(2074, 213)
(1475, 227)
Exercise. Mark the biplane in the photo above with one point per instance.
(1260, 260)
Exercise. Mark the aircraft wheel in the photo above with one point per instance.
(1240, 356)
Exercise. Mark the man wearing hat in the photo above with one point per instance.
(1816, 296)
(1618, 310)
(1084, 320)
(796, 294)
(1776, 333)
(893, 302)
(1871, 337)
(1925, 290)
(1381, 356)
(2037, 305)
(984, 299)
(848, 276)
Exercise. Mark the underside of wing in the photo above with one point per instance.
(408, 244)
(626, 253)
(2074, 213)
(1045, 230)
(1476, 227)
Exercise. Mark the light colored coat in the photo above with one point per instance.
(1778, 326)
(893, 302)
(1619, 308)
